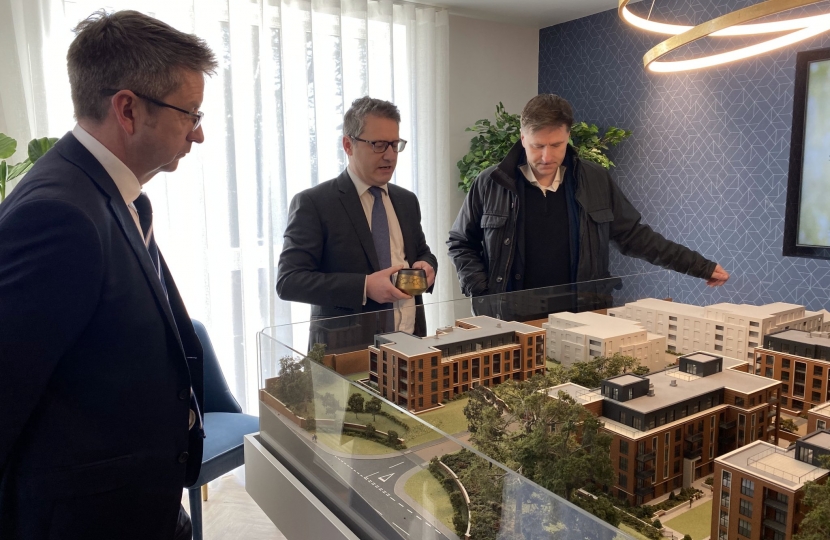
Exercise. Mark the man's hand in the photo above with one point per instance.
(380, 289)
(718, 278)
(426, 267)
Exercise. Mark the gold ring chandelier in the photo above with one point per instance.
(732, 24)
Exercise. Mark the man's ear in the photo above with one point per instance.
(125, 106)
(348, 145)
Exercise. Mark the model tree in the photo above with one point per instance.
(356, 403)
(816, 523)
(373, 406)
(331, 404)
(591, 373)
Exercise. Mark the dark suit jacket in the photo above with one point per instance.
(95, 365)
(328, 249)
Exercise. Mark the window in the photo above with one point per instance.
(745, 508)
(747, 487)
(719, 328)
(726, 480)
(816, 396)
(622, 418)
(420, 362)
(434, 386)
(753, 334)
(805, 455)
(672, 318)
(719, 347)
(672, 337)
(623, 480)
(770, 359)
(817, 370)
(785, 375)
(434, 373)
(755, 324)
(768, 372)
(623, 463)
(785, 363)
(821, 424)
(718, 337)
(623, 447)
(744, 528)
(724, 499)
(446, 371)
(672, 327)
(434, 399)
(816, 383)
(638, 423)
(724, 519)
(785, 388)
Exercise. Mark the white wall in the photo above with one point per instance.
(489, 62)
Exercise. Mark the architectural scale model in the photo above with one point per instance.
(419, 373)
(730, 329)
(668, 427)
(757, 489)
(818, 417)
(577, 337)
(801, 361)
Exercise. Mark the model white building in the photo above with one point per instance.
(576, 337)
(729, 329)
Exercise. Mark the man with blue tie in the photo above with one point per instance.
(100, 368)
(347, 237)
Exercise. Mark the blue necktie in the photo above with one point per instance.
(380, 236)
(144, 208)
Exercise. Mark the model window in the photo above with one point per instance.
(785, 363)
(768, 372)
(623, 463)
(744, 528)
(434, 373)
(719, 327)
(727, 479)
(770, 359)
(623, 480)
(747, 487)
(785, 375)
(821, 424)
(745, 508)
(623, 447)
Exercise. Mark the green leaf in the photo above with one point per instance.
(21, 168)
(8, 146)
(38, 147)
(4, 169)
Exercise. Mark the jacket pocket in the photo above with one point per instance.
(492, 221)
(80, 480)
(600, 237)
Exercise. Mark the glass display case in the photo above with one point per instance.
(356, 442)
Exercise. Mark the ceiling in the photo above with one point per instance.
(536, 13)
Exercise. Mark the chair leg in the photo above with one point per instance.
(195, 512)
(204, 493)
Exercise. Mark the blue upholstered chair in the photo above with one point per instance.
(225, 425)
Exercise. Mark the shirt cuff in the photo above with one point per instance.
(365, 282)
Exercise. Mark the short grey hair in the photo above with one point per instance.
(355, 119)
(546, 111)
(128, 50)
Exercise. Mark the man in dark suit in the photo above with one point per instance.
(100, 368)
(347, 237)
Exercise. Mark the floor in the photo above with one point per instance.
(230, 513)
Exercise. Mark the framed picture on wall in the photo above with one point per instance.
(807, 216)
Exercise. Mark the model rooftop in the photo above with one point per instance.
(595, 325)
(820, 439)
(665, 305)
(482, 328)
(625, 380)
(769, 462)
(801, 336)
(821, 410)
(702, 357)
(759, 312)
(687, 386)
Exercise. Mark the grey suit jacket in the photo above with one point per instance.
(328, 249)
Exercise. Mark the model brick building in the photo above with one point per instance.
(801, 361)
(668, 427)
(419, 373)
(758, 488)
(577, 337)
(732, 330)
(818, 417)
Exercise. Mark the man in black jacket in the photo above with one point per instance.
(543, 217)
(346, 238)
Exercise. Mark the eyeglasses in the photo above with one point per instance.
(195, 116)
(380, 147)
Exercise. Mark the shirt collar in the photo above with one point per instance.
(361, 186)
(528, 173)
(125, 180)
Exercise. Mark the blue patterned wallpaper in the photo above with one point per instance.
(707, 164)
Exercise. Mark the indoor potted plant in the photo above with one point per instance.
(36, 149)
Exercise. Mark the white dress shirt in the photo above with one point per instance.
(557, 180)
(404, 309)
(124, 179)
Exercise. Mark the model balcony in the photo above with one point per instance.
(695, 437)
(771, 414)
(643, 491)
(773, 400)
(645, 473)
(775, 503)
(726, 426)
(727, 440)
(402, 377)
(774, 525)
(770, 428)
(403, 394)
(693, 454)
(646, 456)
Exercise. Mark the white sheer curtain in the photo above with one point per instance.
(273, 115)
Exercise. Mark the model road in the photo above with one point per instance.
(374, 480)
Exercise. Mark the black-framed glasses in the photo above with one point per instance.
(380, 147)
(196, 116)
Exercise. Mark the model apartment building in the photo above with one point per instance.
(419, 373)
(801, 361)
(577, 337)
(730, 329)
(668, 427)
(758, 488)
(818, 417)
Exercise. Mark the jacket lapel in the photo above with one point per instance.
(351, 204)
(76, 153)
